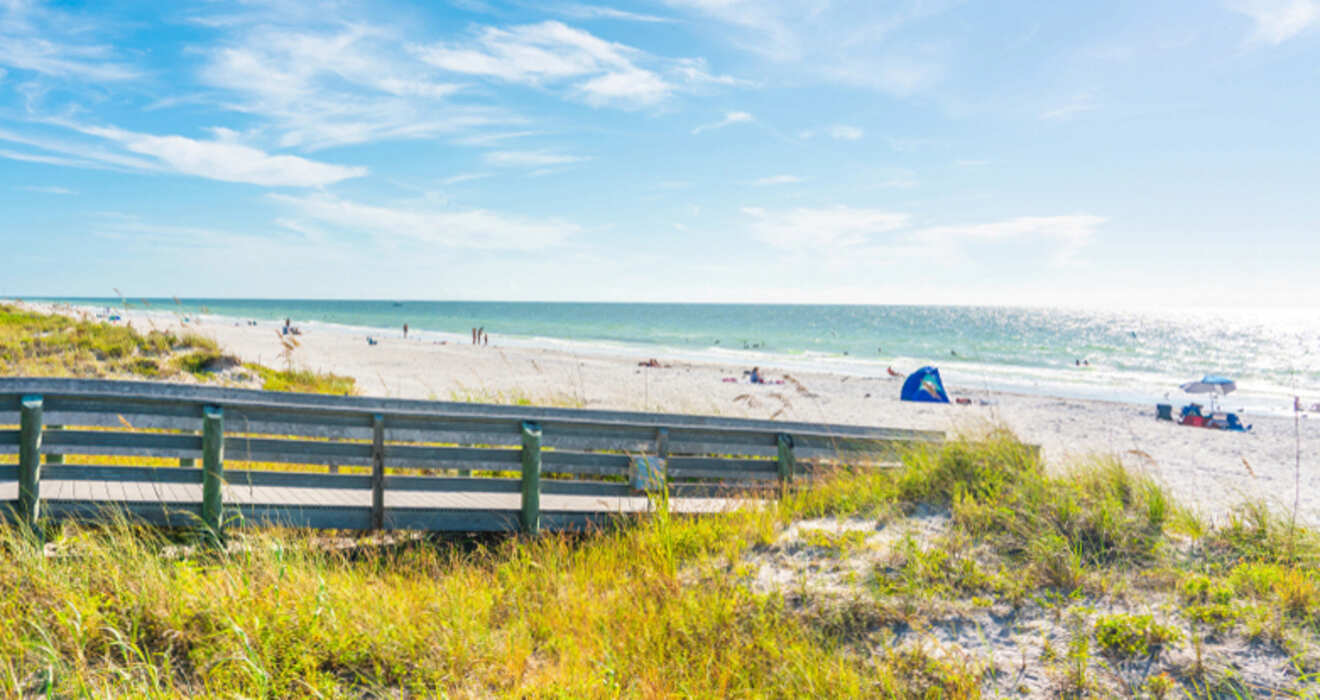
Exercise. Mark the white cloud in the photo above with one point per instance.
(81, 155)
(475, 228)
(43, 40)
(846, 234)
(1069, 233)
(729, 119)
(553, 54)
(814, 229)
(777, 180)
(1082, 102)
(844, 132)
(228, 161)
(530, 159)
(463, 177)
(855, 43)
(602, 72)
(1277, 21)
(598, 12)
(350, 85)
(48, 189)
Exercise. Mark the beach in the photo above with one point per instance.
(1209, 470)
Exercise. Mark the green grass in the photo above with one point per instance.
(657, 606)
(52, 345)
(303, 381)
(654, 607)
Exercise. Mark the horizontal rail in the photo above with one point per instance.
(557, 468)
(252, 399)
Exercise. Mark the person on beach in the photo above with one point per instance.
(756, 377)
(405, 331)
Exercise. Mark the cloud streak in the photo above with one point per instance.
(852, 233)
(600, 71)
(730, 118)
(474, 228)
(1277, 21)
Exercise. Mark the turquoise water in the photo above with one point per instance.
(1132, 355)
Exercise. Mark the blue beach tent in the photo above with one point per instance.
(924, 385)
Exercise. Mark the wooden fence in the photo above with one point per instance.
(361, 463)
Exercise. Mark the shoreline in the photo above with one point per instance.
(1210, 470)
(1131, 387)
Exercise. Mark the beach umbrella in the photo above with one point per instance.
(1210, 384)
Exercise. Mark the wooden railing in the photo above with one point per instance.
(370, 463)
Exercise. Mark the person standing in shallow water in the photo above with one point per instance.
(405, 331)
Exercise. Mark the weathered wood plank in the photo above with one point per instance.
(306, 480)
(161, 475)
(224, 396)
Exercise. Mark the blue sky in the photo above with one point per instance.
(1124, 153)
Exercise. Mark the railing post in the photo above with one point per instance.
(531, 478)
(50, 458)
(377, 472)
(213, 468)
(29, 460)
(787, 465)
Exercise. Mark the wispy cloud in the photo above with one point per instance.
(777, 180)
(578, 11)
(530, 159)
(841, 132)
(227, 161)
(846, 232)
(48, 189)
(970, 163)
(1081, 102)
(844, 132)
(464, 177)
(602, 72)
(548, 54)
(1068, 233)
(1276, 21)
(729, 119)
(858, 44)
(805, 228)
(475, 228)
(340, 86)
(47, 41)
(221, 159)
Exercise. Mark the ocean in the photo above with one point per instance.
(1138, 356)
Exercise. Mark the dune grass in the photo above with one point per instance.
(52, 345)
(663, 606)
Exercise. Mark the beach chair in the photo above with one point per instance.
(1164, 411)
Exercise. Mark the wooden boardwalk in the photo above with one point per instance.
(111, 492)
(518, 467)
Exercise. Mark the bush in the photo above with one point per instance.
(1132, 636)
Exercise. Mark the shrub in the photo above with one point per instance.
(1132, 636)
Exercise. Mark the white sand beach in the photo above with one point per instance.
(1211, 470)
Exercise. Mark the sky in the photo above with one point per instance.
(806, 151)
